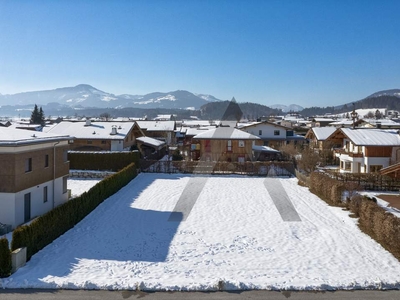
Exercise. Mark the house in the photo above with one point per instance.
(33, 174)
(318, 136)
(272, 134)
(224, 144)
(160, 130)
(151, 148)
(366, 150)
(99, 136)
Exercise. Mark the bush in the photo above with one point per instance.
(105, 161)
(5, 258)
(45, 229)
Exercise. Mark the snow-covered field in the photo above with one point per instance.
(233, 234)
(80, 185)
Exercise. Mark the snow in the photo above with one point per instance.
(382, 203)
(234, 233)
(80, 185)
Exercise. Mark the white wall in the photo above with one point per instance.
(384, 161)
(117, 145)
(7, 211)
(267, 131)
(13, 205)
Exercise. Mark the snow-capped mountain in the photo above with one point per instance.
(84, 95)
(393, 92)
(288, 108)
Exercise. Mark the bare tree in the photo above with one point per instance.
(309, 160)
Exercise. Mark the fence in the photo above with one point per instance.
(370, 181)
(285, 168)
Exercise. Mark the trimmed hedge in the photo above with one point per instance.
(45, 229)
(326, 188)
(104, 161)
(5, 258)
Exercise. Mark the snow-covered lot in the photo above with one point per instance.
(234, 233)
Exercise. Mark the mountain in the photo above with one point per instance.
(84, 95)
(393, 92)
(288, 108)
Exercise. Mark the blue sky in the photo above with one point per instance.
(312, 53)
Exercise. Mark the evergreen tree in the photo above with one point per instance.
(37, 116)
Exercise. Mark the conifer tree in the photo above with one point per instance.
(37, 116)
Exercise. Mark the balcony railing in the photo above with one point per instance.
(346, 152)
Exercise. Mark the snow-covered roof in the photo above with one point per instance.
(194, 123)
(157, 125)
(96, 130)
(372, 137)
(194, 131)
(264, 149)
(228, 133)
(150, 141)
(323, 120)
(322, 133)
(255, 124)
(14, 137)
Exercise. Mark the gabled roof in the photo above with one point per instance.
(266, 123)
(225, 133)
(322, 133)
(372, 137)
(150, 141)
(15, 137)
(96, 130)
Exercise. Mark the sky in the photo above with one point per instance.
(308, 52)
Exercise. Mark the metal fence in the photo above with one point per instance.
(199, 167)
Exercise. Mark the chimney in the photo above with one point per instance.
(88, 122)
(113, 130)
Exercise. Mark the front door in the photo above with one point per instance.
(27, 207)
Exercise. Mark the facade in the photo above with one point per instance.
(366, 150)
(99, 136)
(224, 144)
(318, 136)
(272, 134)
(33, 176)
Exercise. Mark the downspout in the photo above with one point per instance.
(54, 170)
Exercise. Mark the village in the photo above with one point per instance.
(350, 161)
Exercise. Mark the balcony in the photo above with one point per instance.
(340, 151)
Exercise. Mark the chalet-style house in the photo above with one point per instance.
(99, 136)
(318, 136)
(366, 150)
(160, 130)
(33, 174)
(224, 144)
(272, 134)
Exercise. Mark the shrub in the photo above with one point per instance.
(5, 258)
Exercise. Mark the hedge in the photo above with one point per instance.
(104, 161)
(5, 258)
(45, 229)
(373, 220)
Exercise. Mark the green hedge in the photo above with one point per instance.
(104, 161)
(5, 258)
(45, 229)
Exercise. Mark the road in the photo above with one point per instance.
(257, 295)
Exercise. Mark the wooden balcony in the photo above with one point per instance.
(346, 152)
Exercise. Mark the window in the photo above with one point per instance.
(241, 143)
(45, 194)
(28, 165)
(277, 132)
(46, 160)
(260, 132)
(375, 168)
(229, 146)
(89, 142)
(65, 181)
(65, 155)
(289, 133)
(103, 142)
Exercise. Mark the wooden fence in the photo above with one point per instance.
(285, 168)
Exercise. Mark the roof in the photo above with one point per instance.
(96, 130)
(322, 133)
(372, 137)
(228, 133)
(150, 141)
(15, 137)
(264, 149)
(157, 125)
(255, 124)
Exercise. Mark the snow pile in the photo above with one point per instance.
(234, 238)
